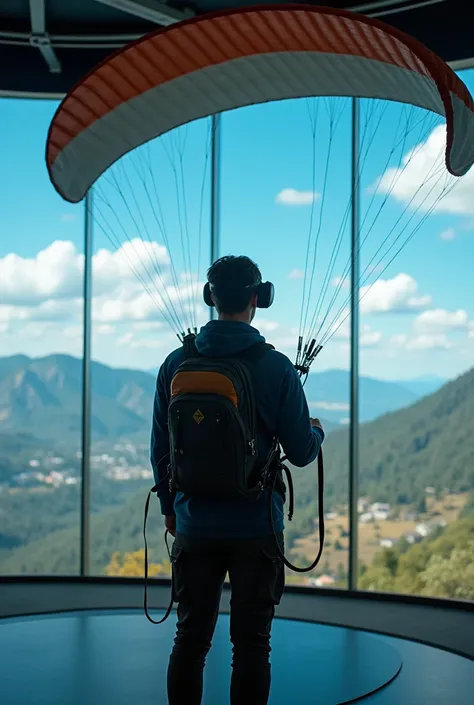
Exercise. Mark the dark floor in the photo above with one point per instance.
(118, 657)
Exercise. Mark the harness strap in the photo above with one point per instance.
(288, 563)
(145, 597)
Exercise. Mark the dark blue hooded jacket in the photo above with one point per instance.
(281, 405)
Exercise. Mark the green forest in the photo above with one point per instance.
(429, 444)
(440, 566)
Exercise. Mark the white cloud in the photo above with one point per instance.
(448, 234)
(396, 295)
(296, 274)
(399, 340)
(370, 338)
(267, 326)
(129, 340)
(104, 329)
(12, 313)
(436, 341)
(416, 183)
(68, 217)
(57, 271)
(440, 321)
(74, 332)
(125, 339)
(292, 197)
(329, 405)
(48, 287)
(147, 325)
(341, 328)
(340, 282)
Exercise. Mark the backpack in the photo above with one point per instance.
(213, 426)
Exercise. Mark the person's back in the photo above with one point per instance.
(216, 537)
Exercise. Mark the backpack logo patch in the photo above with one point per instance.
(198, 416)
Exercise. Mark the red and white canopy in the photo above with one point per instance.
(243, 57)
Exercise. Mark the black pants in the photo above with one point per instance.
(257, 578)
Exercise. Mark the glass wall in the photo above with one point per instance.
(416, 516)
(151, 215)
(285, 186)
(41, 332)
(285, 200)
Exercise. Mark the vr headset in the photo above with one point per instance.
(265, 294)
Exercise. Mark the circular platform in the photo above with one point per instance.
(118, 657)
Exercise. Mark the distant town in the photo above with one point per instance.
(123, 462)
(381, 525)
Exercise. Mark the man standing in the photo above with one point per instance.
(214, 537)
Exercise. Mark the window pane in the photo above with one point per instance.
(41, 279)
(416, 522)
(286, 174)
(151, 249)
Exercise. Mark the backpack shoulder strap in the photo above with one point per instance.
(254, 354)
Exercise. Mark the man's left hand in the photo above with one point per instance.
(170, 524)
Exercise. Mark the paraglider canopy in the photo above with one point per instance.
(244, 57)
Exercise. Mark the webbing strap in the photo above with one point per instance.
(145, 595)
(320, 513)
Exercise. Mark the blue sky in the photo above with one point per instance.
(417, 320)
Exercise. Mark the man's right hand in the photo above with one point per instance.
(316, 423)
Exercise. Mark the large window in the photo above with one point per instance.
(151, 215)
(285, 187)
(416, 517)
(285, 199)
(41, 276)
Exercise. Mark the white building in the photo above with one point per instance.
(380, 515)
(366, 517)
(388, 543)
(412, 537)
(428, 527)
(380, 507)
(323, 581)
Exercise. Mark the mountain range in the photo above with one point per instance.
(430, 443)
(328, 394)
(43, 396)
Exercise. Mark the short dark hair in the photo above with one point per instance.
(233, 280)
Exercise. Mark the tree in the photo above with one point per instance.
(377, 578)
(450, 577)
(133, 565)
(421, 506)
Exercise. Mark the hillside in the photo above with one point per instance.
(114, 529)
(44, 396)
(430, 443)
(427, 444)
(328, 394)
